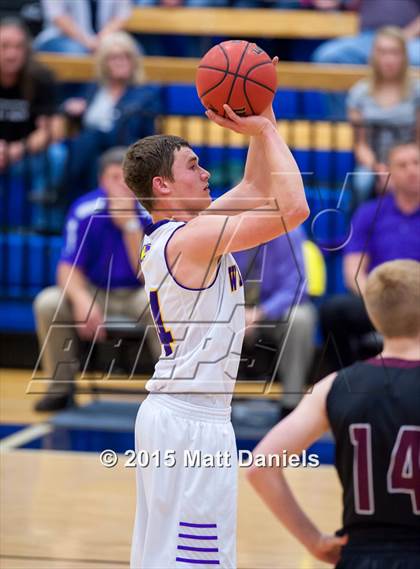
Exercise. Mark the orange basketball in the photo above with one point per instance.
(238, 73)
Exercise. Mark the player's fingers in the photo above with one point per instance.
(275, 60)
(222, 121)
(216, 118)
(231, 114)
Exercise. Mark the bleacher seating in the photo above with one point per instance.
(27, 265)
(243, 23)
(169, 70)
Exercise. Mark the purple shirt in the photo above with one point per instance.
(95, 245)
(278, 268)
(384, 233)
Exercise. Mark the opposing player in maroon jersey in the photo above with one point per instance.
(373, 411)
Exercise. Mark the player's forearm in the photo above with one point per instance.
(258, 177)
(285, 189)
(274, 490)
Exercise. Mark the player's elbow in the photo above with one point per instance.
(296, 215)
(300, 213)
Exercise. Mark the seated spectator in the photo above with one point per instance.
(374, 14)
(115, 111)
(282, 309)
(384, 229)
(27, 107)
(384, 109)
(78, 27)
(97, 277)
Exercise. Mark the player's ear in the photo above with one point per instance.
(160, 187)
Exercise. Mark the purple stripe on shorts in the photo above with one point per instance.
(207, 549)
(198, 561)
(188, 525)
(188, 536)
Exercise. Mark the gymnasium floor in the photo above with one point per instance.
(61, 509)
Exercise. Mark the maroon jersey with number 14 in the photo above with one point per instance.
(374, 412)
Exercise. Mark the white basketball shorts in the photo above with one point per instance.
(186, 486)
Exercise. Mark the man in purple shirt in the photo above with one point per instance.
(274, 276)
(384, 229)
(97, 277)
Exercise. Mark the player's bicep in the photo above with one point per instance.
(209, 237)
(250, 229)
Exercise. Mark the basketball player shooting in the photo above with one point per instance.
(373, 411)
(186, 513)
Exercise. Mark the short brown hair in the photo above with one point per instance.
(149, 157)
(392, 297)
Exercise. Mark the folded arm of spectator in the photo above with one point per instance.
(413, 29)
(87, 313)
(363, 152)
(70, 29)
(113, 26)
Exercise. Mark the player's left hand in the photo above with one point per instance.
(328, 548)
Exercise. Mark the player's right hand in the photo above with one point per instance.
(328, 548)
(252, 126)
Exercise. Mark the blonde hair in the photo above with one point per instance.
(392, 298)
(396, 34)
(126, 43)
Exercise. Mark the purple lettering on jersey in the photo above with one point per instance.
(165, 336)
(235, 278)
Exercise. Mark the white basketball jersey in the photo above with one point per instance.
(201, 330)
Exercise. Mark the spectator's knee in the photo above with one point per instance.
(46, 302)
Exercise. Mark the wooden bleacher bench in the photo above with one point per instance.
(166, 70)
(243, 23)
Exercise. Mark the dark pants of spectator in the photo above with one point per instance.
(344, 322)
